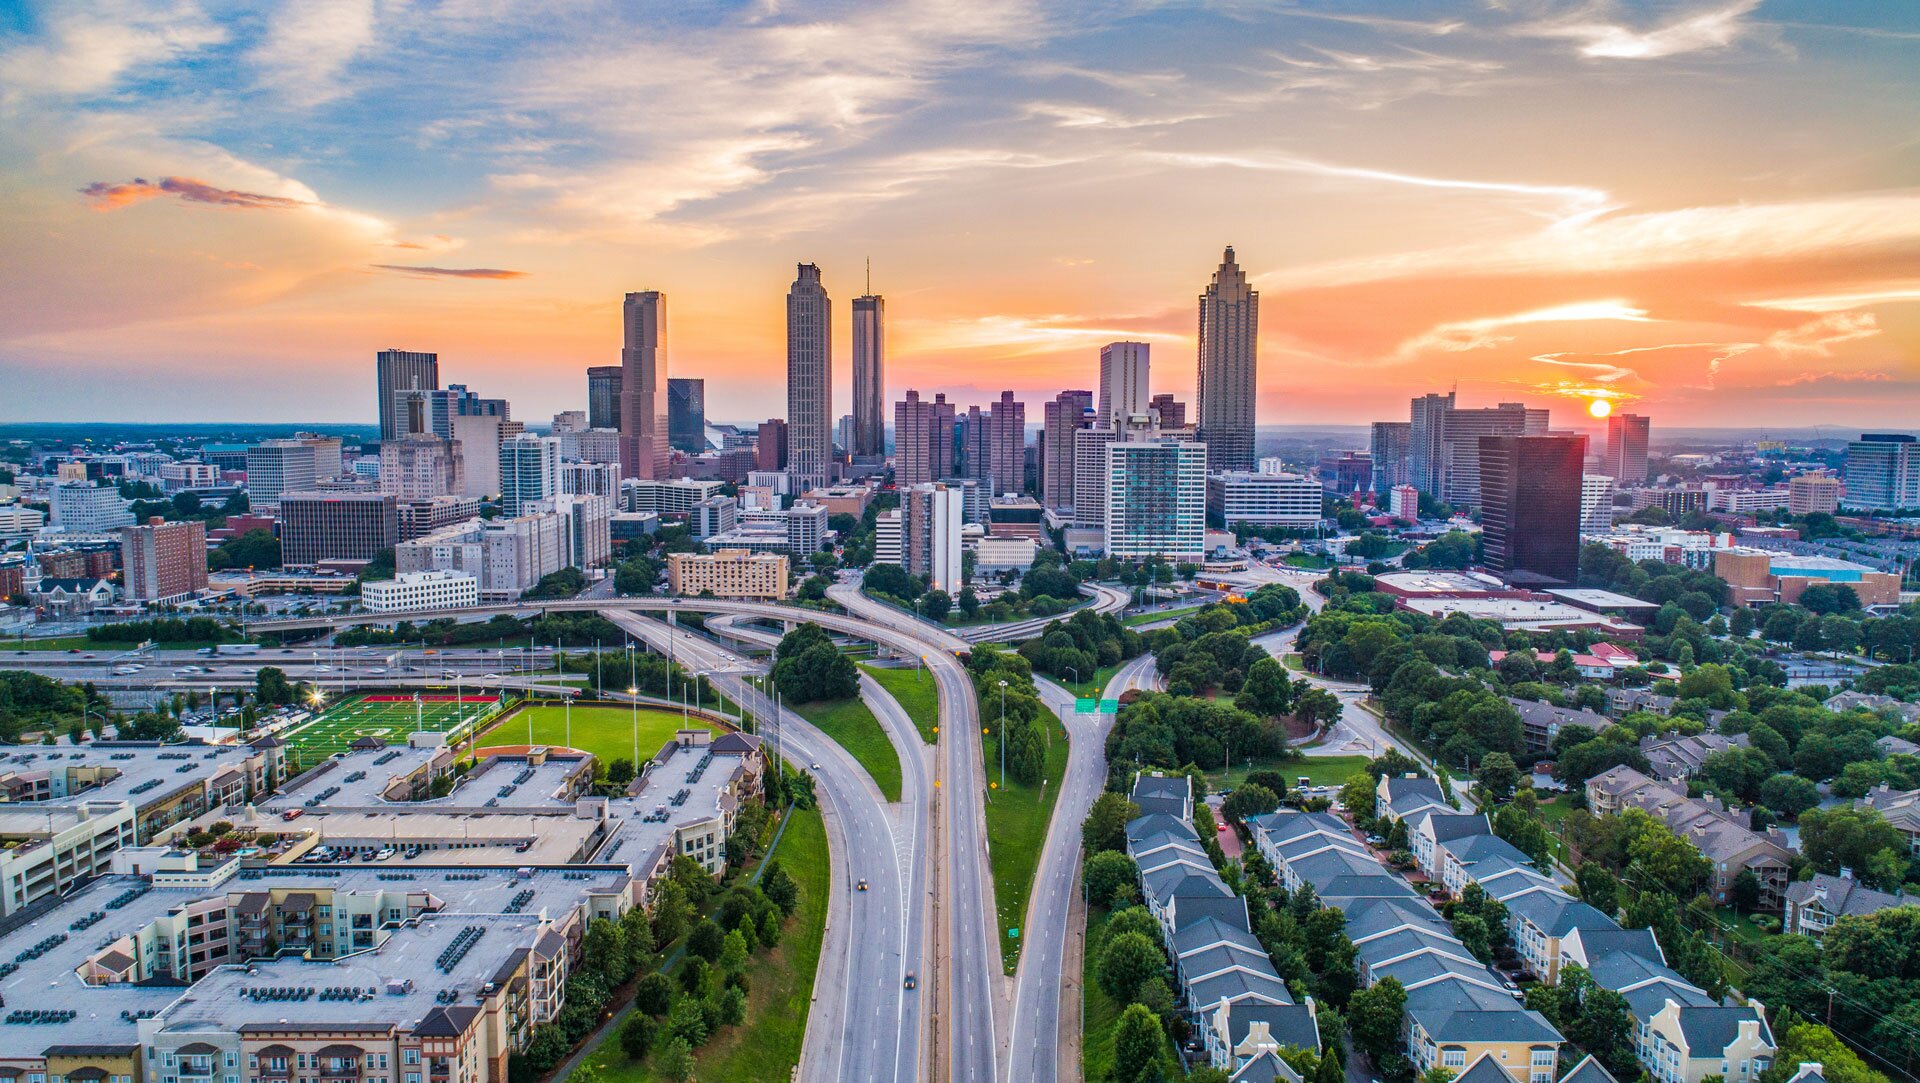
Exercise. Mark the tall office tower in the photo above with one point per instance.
(922, 440)
(1427, 443)
(1007, 443)
(317, 526)
(402, 370)
(1808, 493)
(869, 378)
(1390, 455)
(477, 439)
(529, 471)
(843, 435)
(420, 466)
(1627, 449)
(687, 415)
(931, 516)
(1059, 419)
(1460, 462)
(770, 445)
(569, 421)
(643, 386)
(1156, 499)
(279, 466)
(1090, 480)
(1123, 382)
(1883, 473)
(1530, 507)
(327, 460)
(1538, 422)
(164, 562)
(1596, 503)
(603, 397)
(809, 380)
(1172, 415)
(1229, 367)
(976, 451)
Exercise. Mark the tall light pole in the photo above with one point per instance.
(633, 692)
(1003, 736)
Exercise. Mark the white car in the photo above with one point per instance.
(385, 853)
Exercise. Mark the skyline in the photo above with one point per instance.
(198, 198)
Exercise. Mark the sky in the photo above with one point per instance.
(1707, 211)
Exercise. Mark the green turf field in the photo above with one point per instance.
(607, 732)
(350, 719)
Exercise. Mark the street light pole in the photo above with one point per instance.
(1003, 736)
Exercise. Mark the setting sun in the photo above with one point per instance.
(1599, 408)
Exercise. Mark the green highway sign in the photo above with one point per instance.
(1109, 706)
(1086, 706)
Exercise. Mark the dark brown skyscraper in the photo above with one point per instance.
(1530, 507)
(1229, 367)
(603, 397)
(643, 386)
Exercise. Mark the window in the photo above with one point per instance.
(1454, 1058)
(1543, 1058)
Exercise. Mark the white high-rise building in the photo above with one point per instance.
(1404, 503)
(1157, 499)
(887, 538)
(80, 508)
(478, 437)
(529, 471)
(1124, 368)
(1596, 503)
(1090, 475)
(589, 522)
(923, 535)
(809, 381)
(280, 466)
(1883, 473)
(591, 479)
(421, 466)
(1291, 500)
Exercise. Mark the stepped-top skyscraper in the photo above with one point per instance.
(1229, 367)
(869, 377)
(643, 386)
(402, 370)
(809, 380)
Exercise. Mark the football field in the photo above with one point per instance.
(388, 717)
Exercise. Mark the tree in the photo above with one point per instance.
(1268, 691)
(1139, 1045)
(270, 686)
(637, 1034)
(687, 1021)
(1804, 1043)
(1789, 795)
(1249, 799)
(936, 604)
(1499, 777)
(733, 952)
(1598, 887)
(653, 994)
(1357, 796)
(1828, 598)
(1105, 827)
(969, 603)
(676, 1061)
(1844, 837)
(1112, 878)
(1125, 962)
(1374, 1016)
(811, 668)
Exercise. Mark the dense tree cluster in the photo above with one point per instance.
(1864, 976)
(1169, 731)
(808, 667)
(1080, 645)
(257, 548)
(166, 630)
(1213, 648)
(1014, 711)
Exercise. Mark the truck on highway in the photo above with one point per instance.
(231, 648)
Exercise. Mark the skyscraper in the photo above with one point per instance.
(1123, 382)
(809, 380)
(603, 397)
(279, 466)
(1460, 463)
(529, 471)
(1156, 499)
(1229, 364)
(1596, 503)
(869, 378)
(1390, 455)
(770, 445)
(1172, 414)
(687, 415)
(1530, 490)
(643, 385)
(1059, 419)
(922, 440)
(164, 562)
(1627, 449)
(1883, 472)
(401, 370)
(1007, 440)
(1426, 443)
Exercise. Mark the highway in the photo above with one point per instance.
(864, 1022)
(1106, 599)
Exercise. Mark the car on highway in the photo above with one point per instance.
(863, 885)
(911, 982)
(813, 767)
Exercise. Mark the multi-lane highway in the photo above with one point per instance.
(1106, 599)
(865, 1023)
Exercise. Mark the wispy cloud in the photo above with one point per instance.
(109, 196)
(449, 272)
(1712, 28)
(309, 43)
(1570, 202)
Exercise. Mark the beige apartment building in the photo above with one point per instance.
(728, 573)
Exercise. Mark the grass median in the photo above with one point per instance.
(849, 722)
(1101, 1012)
(914, 689)
(1017, 818)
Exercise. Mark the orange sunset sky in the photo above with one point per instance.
(1705, 210)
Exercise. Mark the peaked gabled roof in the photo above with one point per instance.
(1486, 1070)
(1589, 1071)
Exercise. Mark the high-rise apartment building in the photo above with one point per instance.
(80, 507)
(317, 526)
(591, 479)
(1627, 449)
(420, 466)
(401, 370)
(1403, 503)
(1060, 418)
(1390, 447)
(922, 440)
(1124, 369)
(770, 446)
(1461, 463)
(164, 562)
(477, 440)
(603, 397)
(1530, 489)
(1809, 493)
(869, 379)
(1427, 443)
(1229, 367)
(1007, 446)
(1596, 503)
(1883, 473)
(1171, 413)
(1157, 499)
(931, 517)
(279, 466)
(1266, 498)
(1090, 475)
(327, 459)
(643, 385)
(529, 471)
(687, 415)
(809, 380)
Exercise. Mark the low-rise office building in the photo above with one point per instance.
(728, 573)
(421, 590)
